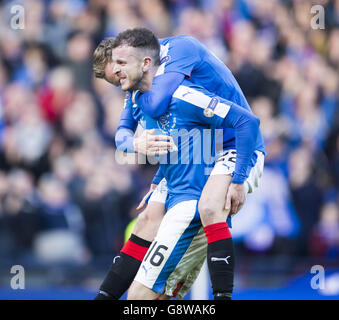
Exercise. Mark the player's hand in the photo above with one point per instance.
(142, 203)
(149, 144)
(235, 198)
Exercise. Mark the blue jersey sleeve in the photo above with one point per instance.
(124, 140)
(220, 113)
(155, 102)
(182, 55)
(126, 128)
(246, 127)
(158, 177)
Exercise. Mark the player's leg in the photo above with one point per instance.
(126, 264)
(149, 220)
(175, 257)
(212, 200)
(220, 250)
(219, 239)
(138, 291)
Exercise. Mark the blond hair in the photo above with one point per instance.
(101, 56)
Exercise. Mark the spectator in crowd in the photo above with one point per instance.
(61, 222)
(19, 223)
(324, 238)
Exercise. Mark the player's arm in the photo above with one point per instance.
(246, 127)
(226, 114)
(182, 56)
(125, 142)
(124, 137)
(147, 143)
(155, 101)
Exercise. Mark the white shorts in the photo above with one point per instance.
(177, 253)
(225, 164)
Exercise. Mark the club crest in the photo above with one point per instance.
(166, 123)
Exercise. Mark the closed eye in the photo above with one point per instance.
(121, 62)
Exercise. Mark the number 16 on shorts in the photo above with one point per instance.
(157, 256)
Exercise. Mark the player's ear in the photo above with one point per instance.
(147, 64)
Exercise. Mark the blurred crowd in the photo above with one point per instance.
(65, 197)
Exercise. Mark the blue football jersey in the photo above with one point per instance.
(192, 119)
(186, 55)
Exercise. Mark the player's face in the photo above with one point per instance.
(110, 76)
(128, 67)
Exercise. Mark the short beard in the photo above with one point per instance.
(137, 83)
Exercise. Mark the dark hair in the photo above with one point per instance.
(140, 38)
